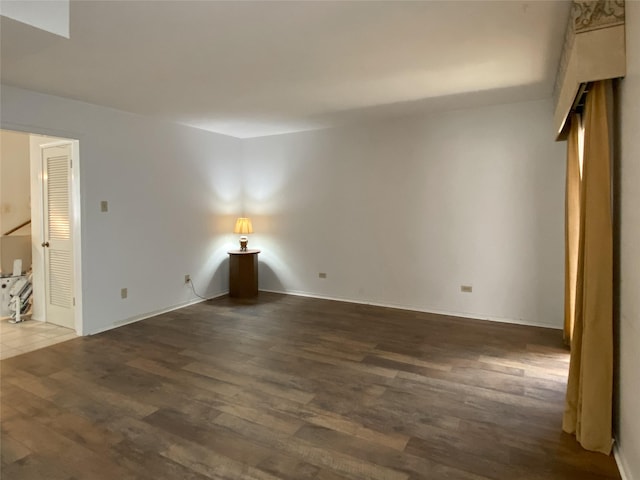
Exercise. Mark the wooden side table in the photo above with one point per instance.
(243, 273)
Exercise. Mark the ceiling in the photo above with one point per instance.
(259, 68)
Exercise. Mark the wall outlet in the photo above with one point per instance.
(104, 206)
(322, 275)
(123, 293)
(187, 278)
(466, 288)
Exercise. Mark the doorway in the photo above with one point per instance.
(57, 241)
(53, 201)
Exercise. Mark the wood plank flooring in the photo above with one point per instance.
(285, 387)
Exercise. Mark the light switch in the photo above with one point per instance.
(104, 206)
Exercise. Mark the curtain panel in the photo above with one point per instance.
(572, 224)
(588, 408)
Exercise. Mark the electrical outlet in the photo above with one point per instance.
(104, 206)
(322, 275)
(466, 288)
(187, 278)
(123, 293)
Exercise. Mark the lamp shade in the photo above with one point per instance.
(243, 226)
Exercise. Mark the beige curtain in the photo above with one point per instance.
(588, 409)
(572, 225)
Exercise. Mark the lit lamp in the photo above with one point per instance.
(243, 227)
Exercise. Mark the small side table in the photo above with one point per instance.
(243, 273)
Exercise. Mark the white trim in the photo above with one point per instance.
(76, 212)
(413, 308)
(623, 468)
(137, 318)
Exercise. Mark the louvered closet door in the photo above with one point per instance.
(57, 245)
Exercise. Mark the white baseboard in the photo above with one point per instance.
(137, 318)
(413, 308)
(622, 464)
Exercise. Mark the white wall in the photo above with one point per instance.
(404, 212)
(628, 422)
(173, 194)
(399, 213)
(14, 180)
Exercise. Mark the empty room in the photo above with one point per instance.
(389, 240)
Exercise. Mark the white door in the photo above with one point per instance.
(57, 243)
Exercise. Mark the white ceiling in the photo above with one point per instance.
(259, 68)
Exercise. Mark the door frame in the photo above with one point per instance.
(76, 213)
(74, 217)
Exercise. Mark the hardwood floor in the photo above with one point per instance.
(294, 388)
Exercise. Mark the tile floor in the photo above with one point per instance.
(29, 335)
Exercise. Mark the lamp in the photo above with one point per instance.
(243, 226)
